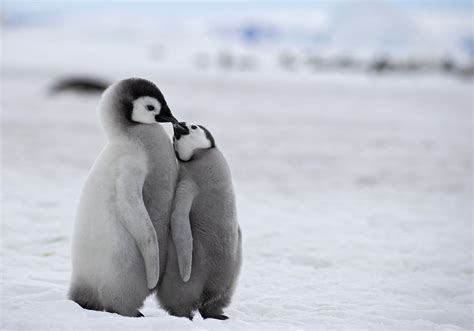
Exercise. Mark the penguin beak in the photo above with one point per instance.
(180, 129)
(166, 116)
(169, 118)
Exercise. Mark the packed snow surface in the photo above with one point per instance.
(354, 192)
(354, 198)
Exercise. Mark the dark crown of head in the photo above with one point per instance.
(209, 136)
(137, 87)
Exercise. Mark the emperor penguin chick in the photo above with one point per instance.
(204, 253)
(122, 222)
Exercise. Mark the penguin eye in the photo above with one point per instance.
(194, 127)
(150, 107)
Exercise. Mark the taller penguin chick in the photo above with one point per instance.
(121, 227)
(204, 256)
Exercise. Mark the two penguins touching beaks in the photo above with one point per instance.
(155, 217)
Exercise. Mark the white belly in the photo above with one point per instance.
(101, 244)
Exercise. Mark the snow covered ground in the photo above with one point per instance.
(354, 200)
(354, 191)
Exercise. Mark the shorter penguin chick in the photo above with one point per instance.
(204, 253)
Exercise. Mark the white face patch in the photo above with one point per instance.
(145, 109)
(188, 144)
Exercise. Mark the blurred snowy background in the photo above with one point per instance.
(347, 125)
(400, 36)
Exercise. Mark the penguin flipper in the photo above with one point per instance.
(134, 216)
(181, 227)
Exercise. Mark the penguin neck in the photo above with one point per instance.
(147, 136)
(208, 167)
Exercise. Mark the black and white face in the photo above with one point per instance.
(189, 139)
(146, 110)
(143, 102)
(132, 106)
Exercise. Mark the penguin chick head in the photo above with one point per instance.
(134, 101)
(190, 139)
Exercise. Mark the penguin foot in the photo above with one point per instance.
(188, 315)
(217, 317)
(139, 314)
